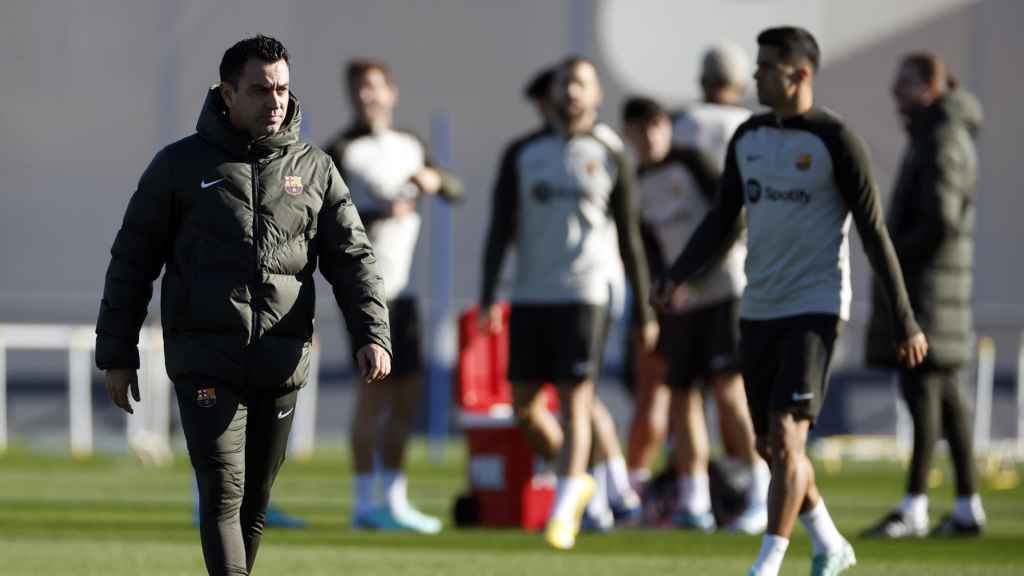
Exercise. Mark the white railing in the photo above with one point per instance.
(148, 430)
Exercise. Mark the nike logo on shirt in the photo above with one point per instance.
(797, 397)
(204, 184)
(284, 413)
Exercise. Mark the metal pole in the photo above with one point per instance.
(159, 401)
(79, 393)
(3, 392)
(303, 438)
(440, 332)
(135, 424)
(1020, 397)
(983, 395)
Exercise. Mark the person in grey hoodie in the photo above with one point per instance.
(931, 220)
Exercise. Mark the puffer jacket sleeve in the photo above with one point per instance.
(349, 265)
(136, 258)
(940, 200)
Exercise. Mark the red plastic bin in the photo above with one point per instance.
(512, 487)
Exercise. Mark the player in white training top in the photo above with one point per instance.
(387, 171)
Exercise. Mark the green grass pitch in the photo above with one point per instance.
(109, 516)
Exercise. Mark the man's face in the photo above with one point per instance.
(651, 140)
(777, 80)
(259, 103)
(910, 91)
(374, 96)
(577, 92)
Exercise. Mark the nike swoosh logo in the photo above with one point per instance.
(284, 413)
(204, 184)
(802, 397)
(753, 157)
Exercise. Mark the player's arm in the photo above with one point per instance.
(627, 222)
(709, 183)
(347, 262)
(138, 254)
(432, 179)
(502, 228)
(719, 229)
(853, 177)
(939, 204)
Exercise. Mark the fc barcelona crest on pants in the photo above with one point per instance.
(206, 397)
(293, 185)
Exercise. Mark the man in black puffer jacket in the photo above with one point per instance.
(239, 215)
(931, 220)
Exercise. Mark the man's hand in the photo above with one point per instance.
(666, 295)
(374, 363)
(427, 180)
(489, 319)
(648, 335)
(119, 381)
(912, 351)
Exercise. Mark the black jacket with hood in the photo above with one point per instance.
(239, 226)
(931, 220)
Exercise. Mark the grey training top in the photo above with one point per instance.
(554, 198)
(800, 179)
(377, 167)
(675, 194)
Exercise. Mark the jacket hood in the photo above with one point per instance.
(956, 106)
(215, 126)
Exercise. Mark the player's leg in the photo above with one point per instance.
(968, 515)
(791, 486)
(214, 424)
(922, 396)
(267, 427)
(693, 508)
(529, 366)
(803, 346)
(610, 471)
(807, 347)
(578, 330)
(402, 388)
(740, 444)
(371, 403)
(760, 364)
(684, 339)
(649, 423)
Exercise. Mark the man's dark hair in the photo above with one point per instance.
(932, 69)
(539, 87)
(359, 67)
(642, 110)
(792, 42)
(261, 47)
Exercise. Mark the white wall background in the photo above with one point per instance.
(92, 89)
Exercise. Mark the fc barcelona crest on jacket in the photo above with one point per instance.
(293, 185)
(206, 397)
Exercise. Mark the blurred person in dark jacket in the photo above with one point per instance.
(931, 220)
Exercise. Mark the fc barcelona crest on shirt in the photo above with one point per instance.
(293, 185)
(206, 397)
(803, 163)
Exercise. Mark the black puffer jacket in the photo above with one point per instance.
(932, 225)
(240, 226)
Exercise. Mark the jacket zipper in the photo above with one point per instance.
(255, 247)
